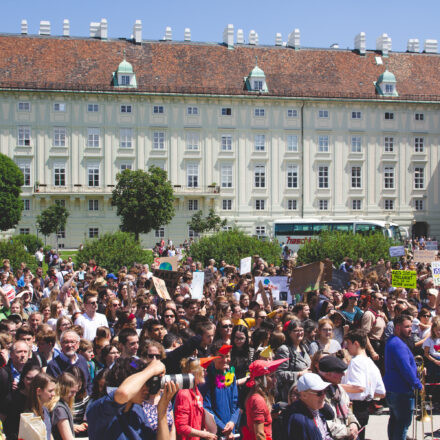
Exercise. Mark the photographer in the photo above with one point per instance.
(119, 414)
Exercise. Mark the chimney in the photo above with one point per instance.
(44, 28)
(240, 36)
(383, 43)
(413, 45)
(187, 34)
(257, 40)
(24, 26)
(228, 36)
(94, 29)
(360, 43)
(168, 34)
(431, 46)
(103, 29)
(278, 39)
(137, 31)
(252, 37)
(294, 39)
(66, 28)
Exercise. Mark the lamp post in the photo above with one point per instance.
(413, 230)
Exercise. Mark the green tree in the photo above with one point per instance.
(232, 246)
(338, 245)
(52, 220)
(11, 181)
(114, 250)
(212, 222)
(144, 200)
(31, 241)
(15, 252)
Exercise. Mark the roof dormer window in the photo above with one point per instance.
(386, 84)
(256, 81)
(124, 75)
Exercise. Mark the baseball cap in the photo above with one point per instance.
(311, 381)
(433, 292)
(112, 276)
(350, 295)
(331, 363)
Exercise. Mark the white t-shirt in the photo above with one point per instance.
(363, 372)
(434, 346)
(90, 325)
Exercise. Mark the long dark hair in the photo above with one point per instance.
(245, 349)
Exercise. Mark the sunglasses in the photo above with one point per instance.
(318, 393)
(153, 356)
(227, 326)
(169, 316)
(425, 316)
(93, 303)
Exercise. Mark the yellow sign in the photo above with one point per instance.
(404, 278)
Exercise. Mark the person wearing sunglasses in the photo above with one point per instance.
(224, 331)
(90, 320)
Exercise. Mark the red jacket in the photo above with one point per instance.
(188, 413)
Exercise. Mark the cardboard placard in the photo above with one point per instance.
(310, 276)
(431, 245)
(280, 287)
(340, 279)
(161, 288)
(197, 285)
(424, 256)
(167, 263)
(404, 278)
(435, 268)
(171, 278)
(397, 251)
(245, 265)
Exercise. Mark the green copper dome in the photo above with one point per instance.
(125, 67)
(387, 77)
(257, 73)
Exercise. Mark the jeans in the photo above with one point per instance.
(401, 410)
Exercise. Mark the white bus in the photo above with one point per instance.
(294, 233)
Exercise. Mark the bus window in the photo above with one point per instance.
(363, 228)
(318, 228)
(303, 229)
(283, 229)
(342, 227)
(395, 233)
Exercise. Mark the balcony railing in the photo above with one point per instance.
(72, 189)
(199, 190)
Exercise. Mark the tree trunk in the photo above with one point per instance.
(136, 235)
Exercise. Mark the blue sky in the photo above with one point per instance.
(321, 22)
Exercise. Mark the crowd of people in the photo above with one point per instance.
(87, 351)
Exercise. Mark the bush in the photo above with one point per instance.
(114, 250)
(14, 251)
(338, 245)
(31, 241)
(232, 246)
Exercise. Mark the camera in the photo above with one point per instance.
(185, 381)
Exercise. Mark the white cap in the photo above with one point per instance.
(311, 381)
(433, 292)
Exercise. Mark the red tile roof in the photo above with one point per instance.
(59, 63)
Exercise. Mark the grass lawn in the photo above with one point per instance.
(65, 254)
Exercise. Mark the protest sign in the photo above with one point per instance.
(423, 256)
(431, 245)
(197, 285)
(340, 279)
(171, 278)
(310, 276)
(279, 285)
(245, 265)
(161, 288)
(404, 278)
(167, 263)
(397, 251)
(435, 268)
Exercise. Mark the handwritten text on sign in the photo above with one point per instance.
(404, 278)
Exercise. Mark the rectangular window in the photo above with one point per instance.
(389, 116)
(323, 205)
(292, 205)
(60, 202)
(125, 80)
(322, 177)
(260, 231)
(226, 111)
(61, 233)
(356, 144)
(260, 176)
(292, 176)
(158, 140)
(93, 205)
(389, 88)
(323, 144)
(25, 168)
(93, 135)
(419, 144)
(25, 231)
(193, 205)
(260, 141)
(158, 109)
(24, 136)
(159, 233)
(356, 115)
(389, 144)
(192, 175)
(258, 84)
(292, 143)
(226, 142)
(125, 138)
(226, 176)
(59, 137)
(292, 113)
(192, 111)
(356, 205)
(356, 181)
(227, 205)
(26, 204)
(24, 106)
(419, 178)
(125, 166)
(418, 205)
(192, 234)
(323, 114)
(93, 108)
(59, 107)
(419, 116)
(388, 177)
(192, 141)
(93, 175)
(125, 108)
(59, 175)
(259, 205)
(389, 204)
(259, 112)
(93, 232)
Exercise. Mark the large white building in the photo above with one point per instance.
(257, 132)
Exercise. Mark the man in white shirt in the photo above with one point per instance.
(362, 381)
(90, 320)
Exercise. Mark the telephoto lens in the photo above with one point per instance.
(185, 381)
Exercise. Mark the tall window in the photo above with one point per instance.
(389, 177)
(292, 113)
(126, 108)
(192, 233)
(93, 232)
(25, 231)
(356, 177)
(24, 136)
(193, 205)
(93, 205)
(59, 107)
(260, 231)
(226, 176)
(389, 144)
(93, 137)
(292, 143)
(93, 175)
(192, 111)
(158, 140)
(24, 106)
(260, 141)
(260, 176)
(26, 204)
(226, 111)
(323, 205)
(25, 168)
(323, 177)
(356, 205)
(419, 178)
(59, 174)
(292, 176)
(125, 137)
(226, 142)
(59, 137)
(356, 144)
(192, 141)
(419, 116)
(323, 144)
(389, 116)
(419, 144)
(60, 202)
(259, 112)
(389, 204)
(93, 108)
(356, 115)
(192, 175)
(418, 205)
(323, 114)
(259, 205)
(158, 109)
(227, 205)
(291, 204)
(125, 166)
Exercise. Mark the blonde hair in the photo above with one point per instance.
(65, 383)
